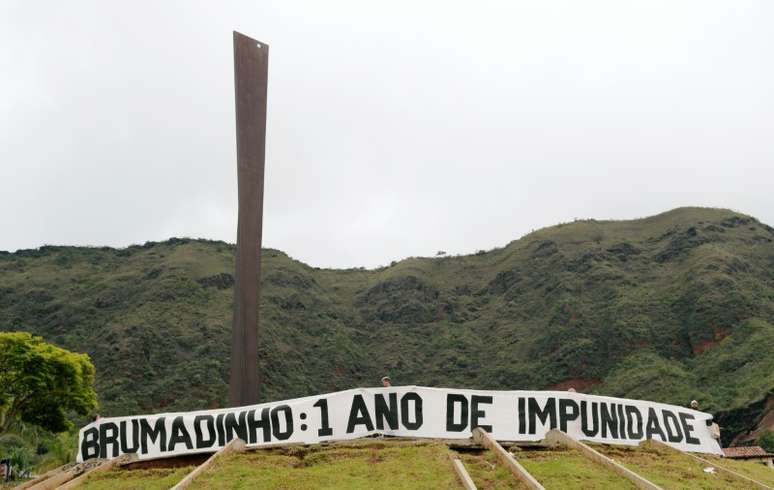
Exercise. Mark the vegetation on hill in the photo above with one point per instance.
(671, 308)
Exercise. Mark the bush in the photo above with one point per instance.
(766, 441)
(21, 462)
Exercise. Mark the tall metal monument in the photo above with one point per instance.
(251, 66)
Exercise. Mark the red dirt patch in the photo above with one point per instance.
(706, 345)
(171, 462)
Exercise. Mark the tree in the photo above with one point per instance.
(766, 441)
(41, 383)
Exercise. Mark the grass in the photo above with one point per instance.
(672, 469)
(487, 472)
(565, 468)
(751, 469)
(371, 465)
(400, 464)
(139, 479)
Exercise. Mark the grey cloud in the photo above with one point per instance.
(395, 128)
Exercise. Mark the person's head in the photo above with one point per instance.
(571, 390)
(694, 404)
(386, 382)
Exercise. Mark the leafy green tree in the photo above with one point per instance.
(41, 383)
(766, 441)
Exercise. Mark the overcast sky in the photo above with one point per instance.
(394, 128)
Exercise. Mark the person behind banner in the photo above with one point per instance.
(714, 428)
(386, 382)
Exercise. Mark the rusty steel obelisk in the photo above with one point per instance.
(251, 66)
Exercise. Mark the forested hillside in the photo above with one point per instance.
(672, 307)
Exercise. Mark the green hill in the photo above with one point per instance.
(669, 308)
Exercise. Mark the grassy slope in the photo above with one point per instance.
(569, 469)
(373, 466)
(750, 469)
(401, 464)
(670, 469)
(148, 479)
(486, 472)
(671, 307)
(394, 465)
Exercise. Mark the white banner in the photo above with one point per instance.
(405, 411)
